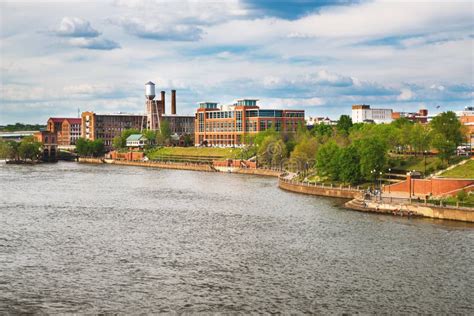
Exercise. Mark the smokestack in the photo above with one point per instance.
(163, 102)
(173, 101)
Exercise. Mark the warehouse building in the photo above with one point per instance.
(228, 126)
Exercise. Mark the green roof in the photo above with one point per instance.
(135, 137)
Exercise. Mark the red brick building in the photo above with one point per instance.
(68, 130)
(229, 126)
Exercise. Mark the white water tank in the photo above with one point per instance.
(150, 90)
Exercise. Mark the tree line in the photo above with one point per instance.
(27, 149)
(354, 153)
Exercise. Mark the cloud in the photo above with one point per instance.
(293, 9)
(75, 27)
(405, 95)
(159, 31)
(94, 43)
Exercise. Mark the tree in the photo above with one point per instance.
(29, 148)
(82, 147)
(327, 160)
(8, 150)
(349, 165)
(448, 125)
(344, 123)
(117, 143)
(164, 136)
(304, 151)
(97, 148)
(373, 156)
(420, 138)
(445, 147)
(322, 130)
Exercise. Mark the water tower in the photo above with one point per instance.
(150, 90)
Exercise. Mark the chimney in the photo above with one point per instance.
(163, 102)
(173, 101)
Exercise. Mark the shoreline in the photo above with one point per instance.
(353, 195)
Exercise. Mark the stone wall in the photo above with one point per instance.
(339, 192)
(259, 172)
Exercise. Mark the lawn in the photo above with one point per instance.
(417, 163)
(465, 171)
(203, 152)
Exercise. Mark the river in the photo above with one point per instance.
(79, 238)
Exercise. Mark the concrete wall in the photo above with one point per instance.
(318, 190)
(259, 172)
(434, 186)
(461, 214)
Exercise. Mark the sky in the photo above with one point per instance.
(61, 57)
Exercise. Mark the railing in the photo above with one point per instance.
(320, 185)
(420, 202)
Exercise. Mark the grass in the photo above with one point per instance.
(204, 152)
(408, 163)
(465, 171)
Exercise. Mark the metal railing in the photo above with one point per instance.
(320, 185)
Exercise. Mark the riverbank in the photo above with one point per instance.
(152, 164)
(319, 189)
(401, 208)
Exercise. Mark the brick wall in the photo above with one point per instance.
(433, 186)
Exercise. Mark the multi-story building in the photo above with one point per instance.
(466, 118)
(311, 121)
(68, 130)
(421, 116)
(107, 126)
(228, 126)
(362, 113)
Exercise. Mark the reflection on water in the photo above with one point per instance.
(104, 239)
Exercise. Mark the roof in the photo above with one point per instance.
(74, 120)
(61, 119)
(135, 137)
(149, 82)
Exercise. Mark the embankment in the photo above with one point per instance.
(414, 209)
(319, 189)
(152, 164)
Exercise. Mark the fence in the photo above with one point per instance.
(320, 185)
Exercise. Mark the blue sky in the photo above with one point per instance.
(320, 56)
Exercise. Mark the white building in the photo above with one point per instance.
(136, 140)
(362, 113)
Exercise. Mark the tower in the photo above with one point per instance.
(154, 108)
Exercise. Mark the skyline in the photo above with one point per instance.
(319, 56)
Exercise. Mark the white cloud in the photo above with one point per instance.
(94, 43)
(405, 95)
(75, 27)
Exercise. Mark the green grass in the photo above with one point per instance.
(465, 171)
(409, 163)
(204, 152)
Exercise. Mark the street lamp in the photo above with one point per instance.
(389, 182)
(424, 154)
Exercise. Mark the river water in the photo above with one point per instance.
(78, 238)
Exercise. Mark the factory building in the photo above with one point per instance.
(466, 118)
(362, 113)
(228, 126)
(180, 125)
(107, 126)
(68, 129)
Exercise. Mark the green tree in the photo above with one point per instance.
(304, 151)
(322, 130)
(448, 125)
(349, 165)
(164, 136)
(373, 156)
(8, 150)
(29, 148)
(327, 160)
(117, 143)
(97, 148)
(344, 124)
(420, 137)
(446, 147)
(82, 147)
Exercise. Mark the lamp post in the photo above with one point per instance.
(389, 182)
(424, 154)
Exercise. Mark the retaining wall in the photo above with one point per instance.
(299, 187)
(434, 186)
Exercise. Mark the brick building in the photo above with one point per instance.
(466, 118)
(421, 116)
(229, 126)
(107, 126)
(49, 141)
(68, 130)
